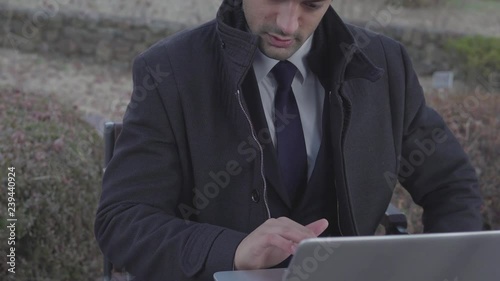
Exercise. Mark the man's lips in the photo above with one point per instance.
(279, 42)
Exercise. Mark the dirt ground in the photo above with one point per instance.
(99, 92)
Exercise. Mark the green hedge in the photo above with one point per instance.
(476, 55)
(57, 159)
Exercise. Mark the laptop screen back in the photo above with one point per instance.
(424, 257)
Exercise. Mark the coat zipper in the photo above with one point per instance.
(247, 116)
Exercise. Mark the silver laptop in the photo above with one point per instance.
(468, 256)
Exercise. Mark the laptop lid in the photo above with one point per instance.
(420, 257)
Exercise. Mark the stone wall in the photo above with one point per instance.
(427, 48)
(103, 38)
(106, 38)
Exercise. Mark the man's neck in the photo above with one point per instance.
(263, 64)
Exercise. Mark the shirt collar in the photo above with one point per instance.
(263, 64)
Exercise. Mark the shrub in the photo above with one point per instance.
(476, 55)
(57, 159)
(475, 121)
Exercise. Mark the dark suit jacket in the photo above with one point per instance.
(189, 180)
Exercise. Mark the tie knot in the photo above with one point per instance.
(283, 72)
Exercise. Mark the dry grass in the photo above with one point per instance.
(57, 159)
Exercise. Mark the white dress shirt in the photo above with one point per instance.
(309, 95)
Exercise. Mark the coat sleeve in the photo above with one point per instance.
(137, 224)
(433, 166)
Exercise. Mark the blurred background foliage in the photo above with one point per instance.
(476, 55)
(58, 163)
(474, 118)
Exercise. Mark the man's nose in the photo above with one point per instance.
(288, 18)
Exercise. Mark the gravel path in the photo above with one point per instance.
(99, 92)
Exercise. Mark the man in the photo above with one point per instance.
(222, 164)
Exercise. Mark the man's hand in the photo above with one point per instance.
(273, 242)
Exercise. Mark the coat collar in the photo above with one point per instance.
(332, 39)
(238, 45)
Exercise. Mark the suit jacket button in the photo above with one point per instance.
(255, 196)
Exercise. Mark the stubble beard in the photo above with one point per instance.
(276, 52)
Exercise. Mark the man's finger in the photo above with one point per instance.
(318, 226)
(276, 240)
(290, 230)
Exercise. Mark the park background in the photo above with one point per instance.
(65, 70)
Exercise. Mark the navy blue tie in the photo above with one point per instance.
(290, 144)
